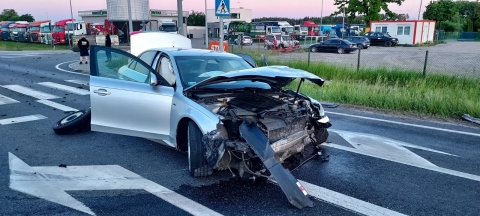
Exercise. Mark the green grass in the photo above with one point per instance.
(392, 90)
(21, 46)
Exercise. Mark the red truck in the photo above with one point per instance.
(59, 29)
(33, 32)
(313, 29)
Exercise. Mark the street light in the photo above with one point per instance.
(321, 19)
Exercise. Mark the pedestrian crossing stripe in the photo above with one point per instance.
(222, 9)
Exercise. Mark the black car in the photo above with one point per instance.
(334, 45)
(361, 41)
(381, 39)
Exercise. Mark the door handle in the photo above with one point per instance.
(101, 92)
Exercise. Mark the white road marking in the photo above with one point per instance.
(347, 202)
(407, 124)
(65, 88)
(73, 72)
(81, 82)
(6, 100)
(57, 105)
(21, 119)
(52, 182)
(30, 92)
(371, 145)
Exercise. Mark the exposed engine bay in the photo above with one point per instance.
(290, 121)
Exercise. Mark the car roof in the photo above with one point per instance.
(174, 52)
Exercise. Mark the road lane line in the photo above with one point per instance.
(72, 72)
(6, 100)
(406, 124)
(81, 82)
(65, 88)
(21, 119)
(30, 92)
(347, 202)
(432, 168)
(57, 105)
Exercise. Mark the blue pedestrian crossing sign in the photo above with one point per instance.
(222, 8)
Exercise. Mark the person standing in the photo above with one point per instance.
(108, 43)
(83, 45)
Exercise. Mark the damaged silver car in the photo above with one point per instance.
(226, 113)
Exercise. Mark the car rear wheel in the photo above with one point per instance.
(197, 164)
(340, 51)
(76, 121)
(360, 46)
(313, 49)
(388, 43)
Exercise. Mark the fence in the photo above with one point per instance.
(387, 58)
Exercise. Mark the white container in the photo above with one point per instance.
(118, 10)
(142, 41)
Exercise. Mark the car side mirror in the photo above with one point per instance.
(153, 81)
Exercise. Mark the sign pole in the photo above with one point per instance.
(222, 9)
(221, 34)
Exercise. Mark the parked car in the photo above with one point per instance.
(246, 40)
(381, 39)
(340, 46)
(361, 41)
(221, 110)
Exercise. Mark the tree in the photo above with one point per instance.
(196, 19)
(370, 9)
(9, 15)
(26, 17)
(440, 11)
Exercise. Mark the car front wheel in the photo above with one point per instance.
(340, 51)
(76, 121)
(360, 46)
(313, 49)
(388, 44)
(197, 164)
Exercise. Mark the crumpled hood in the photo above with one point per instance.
(275, 76)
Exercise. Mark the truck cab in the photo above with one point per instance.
(59, 31)
(168, 25)
(19, 31)
(33, 32)
(46, 33)
(300, 32)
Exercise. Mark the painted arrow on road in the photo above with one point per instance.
(52, 182)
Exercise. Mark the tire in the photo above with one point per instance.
(197, 164)
(388, 43)
(360, 46)
(77, 121)
(340, 51)
(313, 49)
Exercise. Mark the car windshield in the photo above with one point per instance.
(4, 29)
(45, 29)
(387, 35)
(193, 69)
(246, 37)
(34, 28)
(58, 29)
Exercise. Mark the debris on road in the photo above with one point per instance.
(471, 119)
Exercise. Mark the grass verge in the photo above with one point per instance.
(392, 90)
(21, 46)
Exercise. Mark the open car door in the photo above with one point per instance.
(127, 96)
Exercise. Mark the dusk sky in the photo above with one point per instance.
(60, 9)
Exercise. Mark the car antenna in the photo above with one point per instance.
(298, 89)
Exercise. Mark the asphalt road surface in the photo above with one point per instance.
(378, 164)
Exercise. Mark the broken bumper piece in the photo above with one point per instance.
(290, 186)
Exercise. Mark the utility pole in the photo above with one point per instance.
(321, 19)
(71, 14)
(343, 22)
(206, 26)
(180, 17)
(421, 1)
(130, 23)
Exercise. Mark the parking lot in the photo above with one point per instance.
(454, 58)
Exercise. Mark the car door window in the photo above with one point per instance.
(148, 57)
(119, 66)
